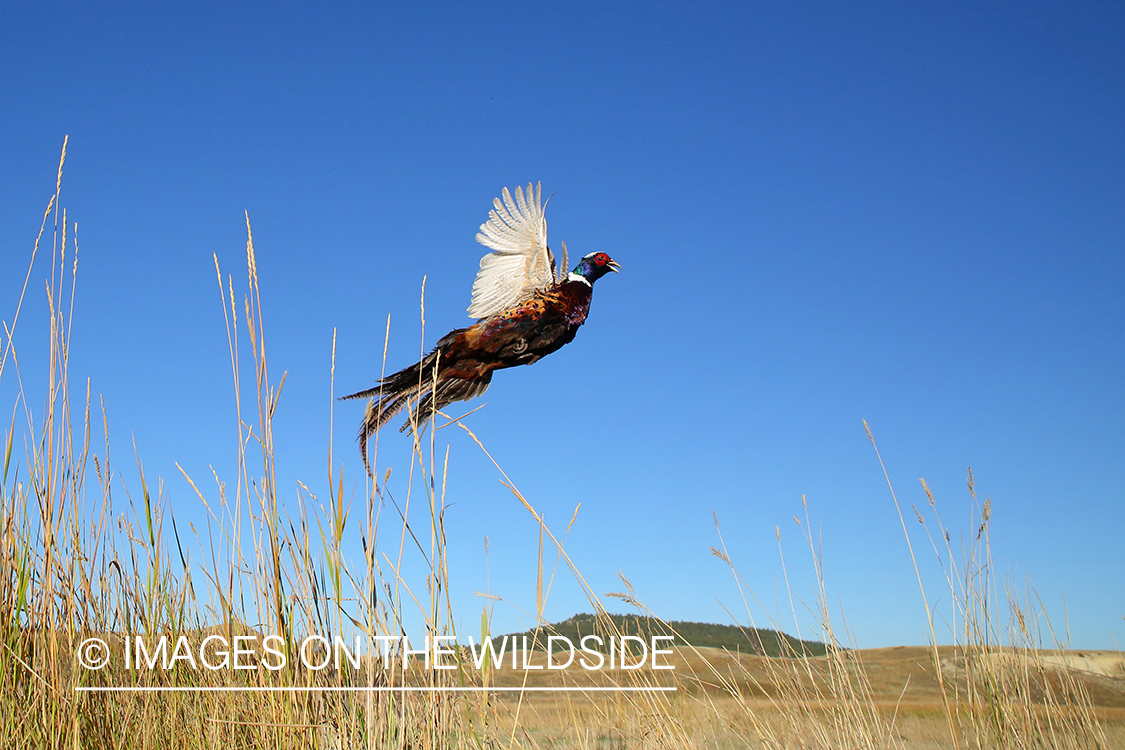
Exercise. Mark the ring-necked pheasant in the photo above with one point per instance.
(526, 309)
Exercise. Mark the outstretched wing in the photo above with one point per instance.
(520, 263)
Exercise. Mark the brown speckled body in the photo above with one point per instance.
(520, 335)
(460, 366)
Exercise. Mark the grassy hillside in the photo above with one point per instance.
(699, 634)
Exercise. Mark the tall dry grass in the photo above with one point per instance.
(997, 688)
(998, 678)
(85, 552)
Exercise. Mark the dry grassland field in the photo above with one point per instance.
(737, 700)
(91, 580)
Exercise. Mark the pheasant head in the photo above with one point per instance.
(592, 267)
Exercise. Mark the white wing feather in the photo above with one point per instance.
(520, 263)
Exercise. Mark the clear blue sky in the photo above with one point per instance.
(910, 214)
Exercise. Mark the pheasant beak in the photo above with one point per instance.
(614, 265)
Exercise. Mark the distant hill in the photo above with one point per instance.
(699, 634)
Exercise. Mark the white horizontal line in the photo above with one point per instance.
(381, 689)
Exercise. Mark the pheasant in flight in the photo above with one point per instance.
(525, 307)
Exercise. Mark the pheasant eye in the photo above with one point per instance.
(600, 259)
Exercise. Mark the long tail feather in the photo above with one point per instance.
(390, 395)
(435, 399)
(421, 388)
